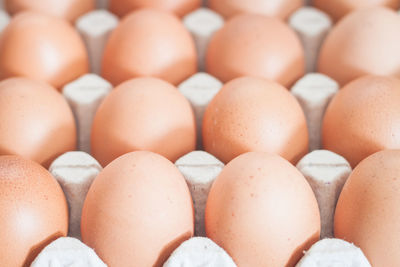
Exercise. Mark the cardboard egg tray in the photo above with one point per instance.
(325, 171)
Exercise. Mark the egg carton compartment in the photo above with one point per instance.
(325, 171)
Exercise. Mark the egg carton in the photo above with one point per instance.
(325, 171)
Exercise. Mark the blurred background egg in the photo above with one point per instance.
(338, 8)
(178, 7)
(66, 9)
(143, 114)
(137, 211)
(33, 210)
(149, 42)
(35, 121)
(363, 118)
(262, 211)
(367, 213)
(256, 45)
(42, 47)
(274, 8)
(364, 42)
(253, 114)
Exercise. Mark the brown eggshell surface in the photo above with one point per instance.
(143, 114)
(167, 53)
(262, 211)
(256, 45)
(339, 8)
(33, 209)
(35, 121)
(364, 42)
(66, 9)
(137, 211)
(367, 213)
(253, 114)
(178, 7)
(275, 8)
(363, 118)
(42, 47)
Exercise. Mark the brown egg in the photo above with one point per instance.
(367, 213)
(35, 121)
(42, 47)
(143, 114)
(167, 53)
(65, 9)
(179, 7)
(339, 8)
(363, 118)
(262, 211)
(253, 114)
(33, 209)
(275, 8)
(137, 211)
(365, 42)
(256, 45)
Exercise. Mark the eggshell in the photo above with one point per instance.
(364, 42)
(256, 45)
(138, 210)
(179, 7)
(33, 208)
(274, 8)
(35, 121)
(42, 47)
(143, 114)
(66, 9)
(262, 211)
(253, 114)
(339, 8)
(168, 52)
(363, 118)
(367, 213)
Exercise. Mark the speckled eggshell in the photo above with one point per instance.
(178, 7)
(66, 9)
(42, 47)
(274, 8)
(167, 53)
(253, 114)
(35, 121)
(363, 118)
(33, 210)
(256, 45)
(262, 211)
(364, 42)
(367, 213)
(137, 211)
(143, 114)
(339, 8)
